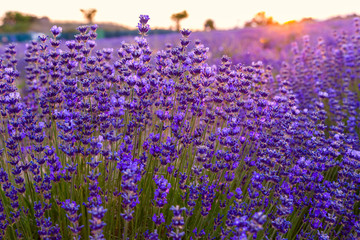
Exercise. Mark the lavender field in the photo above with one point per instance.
(239, 134)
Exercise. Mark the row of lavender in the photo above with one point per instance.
(124, 145)
(270, 44)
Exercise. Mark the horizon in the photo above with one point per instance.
(230, 15)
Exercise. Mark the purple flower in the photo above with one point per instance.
(143, 28)
(55, 30)
(178, 220)
(163, 187)
(82, 29)
(158, 220)
(96, 223)
(144, 19)
(185, 33)
(315, 223)
(71, 208)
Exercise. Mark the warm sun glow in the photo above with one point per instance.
(226, 14)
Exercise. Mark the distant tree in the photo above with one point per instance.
(89, 14)
(177, 17)
(13, 18)
(209, 25)
(308, 19)
(260, 19)
(17, 22)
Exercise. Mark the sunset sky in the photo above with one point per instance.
(225, 13)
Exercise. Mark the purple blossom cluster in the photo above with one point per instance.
(128, 144)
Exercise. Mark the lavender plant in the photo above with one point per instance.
(125, 144)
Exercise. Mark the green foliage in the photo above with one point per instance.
(16, 22)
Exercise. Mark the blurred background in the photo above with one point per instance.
(22, 20)
(247, 31)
